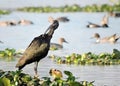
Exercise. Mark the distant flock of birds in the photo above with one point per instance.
(14, 23)
(40, 45)
(104, 21)
(104, 24)
(27, 22)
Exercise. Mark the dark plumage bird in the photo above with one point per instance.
(63, 19)
(38, 48)
(104, 23)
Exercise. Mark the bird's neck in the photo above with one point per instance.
(98, 40)
(52, 28)
(51, 32)
(61, 43)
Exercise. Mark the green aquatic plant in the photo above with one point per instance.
(73, 8)
(53, 48)
(9, 54)
(3, 12)
(69, 81)
(17, 78)
(90, 58)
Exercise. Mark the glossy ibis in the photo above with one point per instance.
(38, 48)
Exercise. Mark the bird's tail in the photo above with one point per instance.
(117, 38)
(20, 64)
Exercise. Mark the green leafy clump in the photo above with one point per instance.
(53, 48)
(69, 81)
(3, 12)
(8, 54)
(90, 58)
(17, 78)
(74, 8)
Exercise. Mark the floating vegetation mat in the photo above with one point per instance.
(73, 8)
(9, 54)
(17, 78)
(89, 58)
(3, 12)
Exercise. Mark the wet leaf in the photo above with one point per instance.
(5, 82)
(68, 73)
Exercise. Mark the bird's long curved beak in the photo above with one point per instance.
(66, 41)
(46, 31)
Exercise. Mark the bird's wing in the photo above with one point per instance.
(63, 19)
(104, 20)
(55, 45)
(112, 36)
(35, 48)
(92, 23)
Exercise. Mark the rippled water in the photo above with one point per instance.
(75, 32)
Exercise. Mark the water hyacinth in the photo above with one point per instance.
(3, 12)
(9, 54)
(73, 8)
(90, 58)
(17, 78)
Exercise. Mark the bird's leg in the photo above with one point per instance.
(35, 69)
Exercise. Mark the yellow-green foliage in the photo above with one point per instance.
(7, 52)
(90, 58)
(74, 8)
(3, 12)
(17, 78)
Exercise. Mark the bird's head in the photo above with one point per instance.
(50, 19)
(61, 40)
(53, 26)
(96, 35)
(55, 73)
